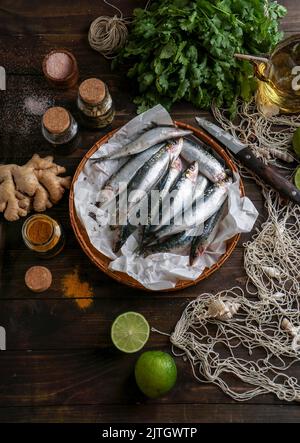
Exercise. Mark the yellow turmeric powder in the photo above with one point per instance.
(81, 292)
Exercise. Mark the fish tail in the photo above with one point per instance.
(143, 233)
(192, 257)
(117, 246)
(196, 253)
(99, 159)
(149, 239)
(140, 250)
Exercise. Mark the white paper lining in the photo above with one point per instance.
(159, 271)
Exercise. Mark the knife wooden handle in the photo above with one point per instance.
(269, 174)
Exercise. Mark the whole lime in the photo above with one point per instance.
(155, 373)
(296, 141)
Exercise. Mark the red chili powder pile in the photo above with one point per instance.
(81, 292)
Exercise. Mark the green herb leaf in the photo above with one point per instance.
(181, 49)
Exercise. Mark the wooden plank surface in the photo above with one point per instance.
(149, 413)
(59, 358)
(96, 376)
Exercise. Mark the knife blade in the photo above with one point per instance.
(242, 152)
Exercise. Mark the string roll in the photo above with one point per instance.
(108, 35)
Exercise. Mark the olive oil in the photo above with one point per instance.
(279, 75)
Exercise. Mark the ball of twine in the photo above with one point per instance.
(108, 34)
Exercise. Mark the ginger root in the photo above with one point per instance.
(34, 185)
(55, 185)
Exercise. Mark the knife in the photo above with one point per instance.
(242, 152)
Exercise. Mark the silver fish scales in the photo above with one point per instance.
(180, 194)
(154, 207)
(143, 181)
(208, 165)
(201, 210)
(173, 244)
(152, 171)
(202, 241)
(146, 140)
(119, 180)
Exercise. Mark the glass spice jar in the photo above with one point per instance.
(43, 235)
(60, 129)
(60, 68)
(95, 104)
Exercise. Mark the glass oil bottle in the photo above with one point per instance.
(279, 75)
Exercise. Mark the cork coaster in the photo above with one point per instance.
(92, 91)
(56, 120)
(38, 278)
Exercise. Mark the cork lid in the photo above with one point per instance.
(38, 278)
(92, 91)
(56, 120)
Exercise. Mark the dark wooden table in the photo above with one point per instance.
(60, 365)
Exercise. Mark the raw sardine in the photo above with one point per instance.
(167, 183)
(201, 210)
(178, 197)
(119, 180)
(127, 229)
(152, 171)
(146, 140)
(208, 164)
(201, 242)
(145, 180)
(173, 244)
(201, 184)
(124, 233)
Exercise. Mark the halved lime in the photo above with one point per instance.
(130, 332)
(297, 178)
(296, 141)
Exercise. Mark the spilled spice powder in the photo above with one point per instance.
(74, 288)
(24, 117)
(36, 105)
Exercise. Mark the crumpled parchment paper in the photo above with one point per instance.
(159, 271)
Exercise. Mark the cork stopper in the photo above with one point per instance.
(56, 120)
(92, 91)
(38, 278)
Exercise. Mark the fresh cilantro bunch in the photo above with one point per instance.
(181, 49)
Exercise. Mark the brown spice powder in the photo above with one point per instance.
(39, 231)
(81, 292)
